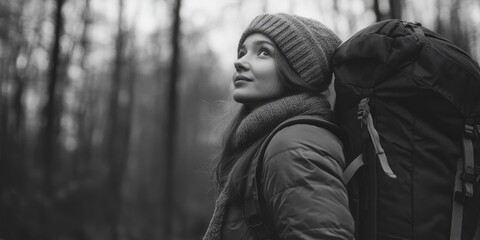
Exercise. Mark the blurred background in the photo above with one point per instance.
(111, 110)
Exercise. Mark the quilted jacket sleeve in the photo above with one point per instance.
(303, 185)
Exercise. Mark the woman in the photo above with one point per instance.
(283, 72)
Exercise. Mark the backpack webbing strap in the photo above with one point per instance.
(457, 208)
(364, 114)
(378, 148)
(469, 165)
(352, 168)
(464, 179)
(417, 29)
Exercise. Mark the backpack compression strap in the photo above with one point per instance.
(367, 120)
(465, 179)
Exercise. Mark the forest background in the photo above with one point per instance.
(111, 110)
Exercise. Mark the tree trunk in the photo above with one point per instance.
(457, 29)
(85, 130)
(376, 9)
(114, 148)
(396, 8)
(171, 122)
(439, 27)
(83, 152)
(50, 111)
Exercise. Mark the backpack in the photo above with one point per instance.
(410, 102)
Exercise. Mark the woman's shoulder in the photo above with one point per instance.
(299, 152)
(305, 137)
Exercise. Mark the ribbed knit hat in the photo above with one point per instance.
(306, 44)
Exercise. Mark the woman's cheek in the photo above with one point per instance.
(267, 72)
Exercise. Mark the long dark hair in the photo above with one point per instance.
(233, 162)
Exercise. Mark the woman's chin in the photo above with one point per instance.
(243, 98)
(239, 98)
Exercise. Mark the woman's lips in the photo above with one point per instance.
(240, 82)
(242, 78)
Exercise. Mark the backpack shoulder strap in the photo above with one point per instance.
(254, 203)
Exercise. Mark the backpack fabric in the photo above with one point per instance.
(410, 102)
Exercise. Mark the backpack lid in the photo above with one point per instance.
(375, 54)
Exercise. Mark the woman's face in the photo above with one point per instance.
(256, 79)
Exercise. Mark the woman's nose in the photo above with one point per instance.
(241, 65)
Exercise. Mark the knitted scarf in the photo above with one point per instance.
(256, 124)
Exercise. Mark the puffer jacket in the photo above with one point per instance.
(302, 186)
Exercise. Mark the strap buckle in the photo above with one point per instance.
(472, 129)
(363, 111)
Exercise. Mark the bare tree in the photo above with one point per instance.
(172, 119)
(114, 146)
(376, 9)
(396, 8)
(12, 163)
(394, 12)
(458, 34)
(453, 28)
(51, 110)
(83, 114)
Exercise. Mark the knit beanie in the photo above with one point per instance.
(306, 44)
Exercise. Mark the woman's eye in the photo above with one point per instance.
(264, 52)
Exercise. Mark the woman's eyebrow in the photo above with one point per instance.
(260, 42)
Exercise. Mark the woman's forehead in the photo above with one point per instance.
(257, 38)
